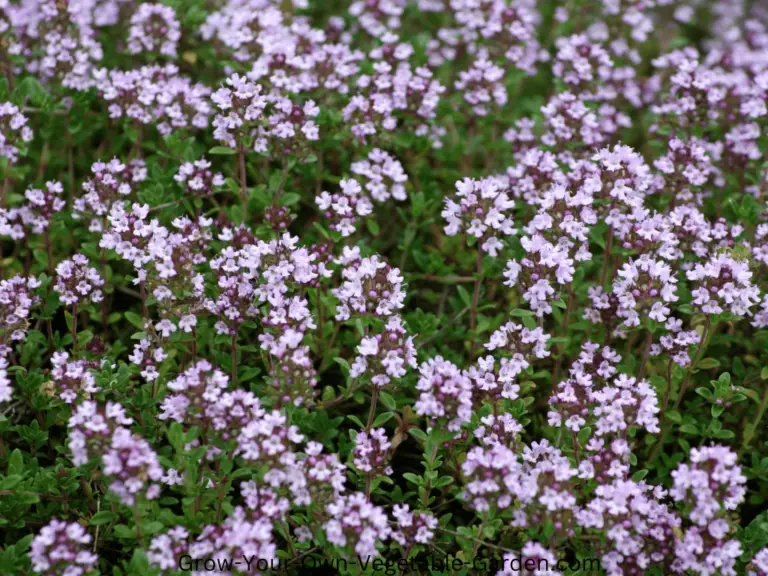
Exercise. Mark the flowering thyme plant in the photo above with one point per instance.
(435, 286)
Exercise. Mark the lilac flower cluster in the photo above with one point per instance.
(371, 287)
(57, 41)
(640, 527)
(110, 181)
(446, 394)
(154, 28)
(723, 283)
(91, 427)
(384, 175)
(501, 430)
(342, 209)
(506, 32)
(71, 379)
(62, 548)
(357, 525)
(41, 206)
(14, 131)
(482, 211)
(709, 487)
(17, 297)
(240, 105)
(133, 467)
(483, 86)
(371, 452)
(237, 537)
(393, 90)
(155, 94)
(196, 396)
(197, 178)
(385, 356)
(413, 527)
(78, 283)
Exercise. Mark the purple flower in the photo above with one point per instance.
(154, 28)
(342, 209)
(385, 356)
(14, 132)
(110, 181)
(759, 564)
(197, 178)
(62, 548)
(370, 287)
(41, 206)
(723, 283)
(483, 86)
(371, 452)
(384, 176)
(70, 380)
(77, 283)
(413, 527)
(482, 209)
(446, 394)
(132, 467)
(91, 427)
(16, 300)
(357, 525)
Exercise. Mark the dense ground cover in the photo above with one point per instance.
(296, 282)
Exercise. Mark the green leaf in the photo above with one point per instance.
(549, 528)
(122, 531)
(16, 463)
(464, 295)
(28, 498)
(84, 337)
(343, 363)
(31, 89)
(176, 436)
(707, 364)
(103, 517)
(388, 401)
(152, 527)
(418, 434)
(9, 482)
(356, 420)
(329, 394)
(751, 394)
(412, 478)
(521, 313)
(689, 429)
(290, 199)
(136, 320)
(382, 419)
(674, 416)
(373, 227)
(323, 231)
(584, 435)
(140, 562)
(222, 151)
(639, 475)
